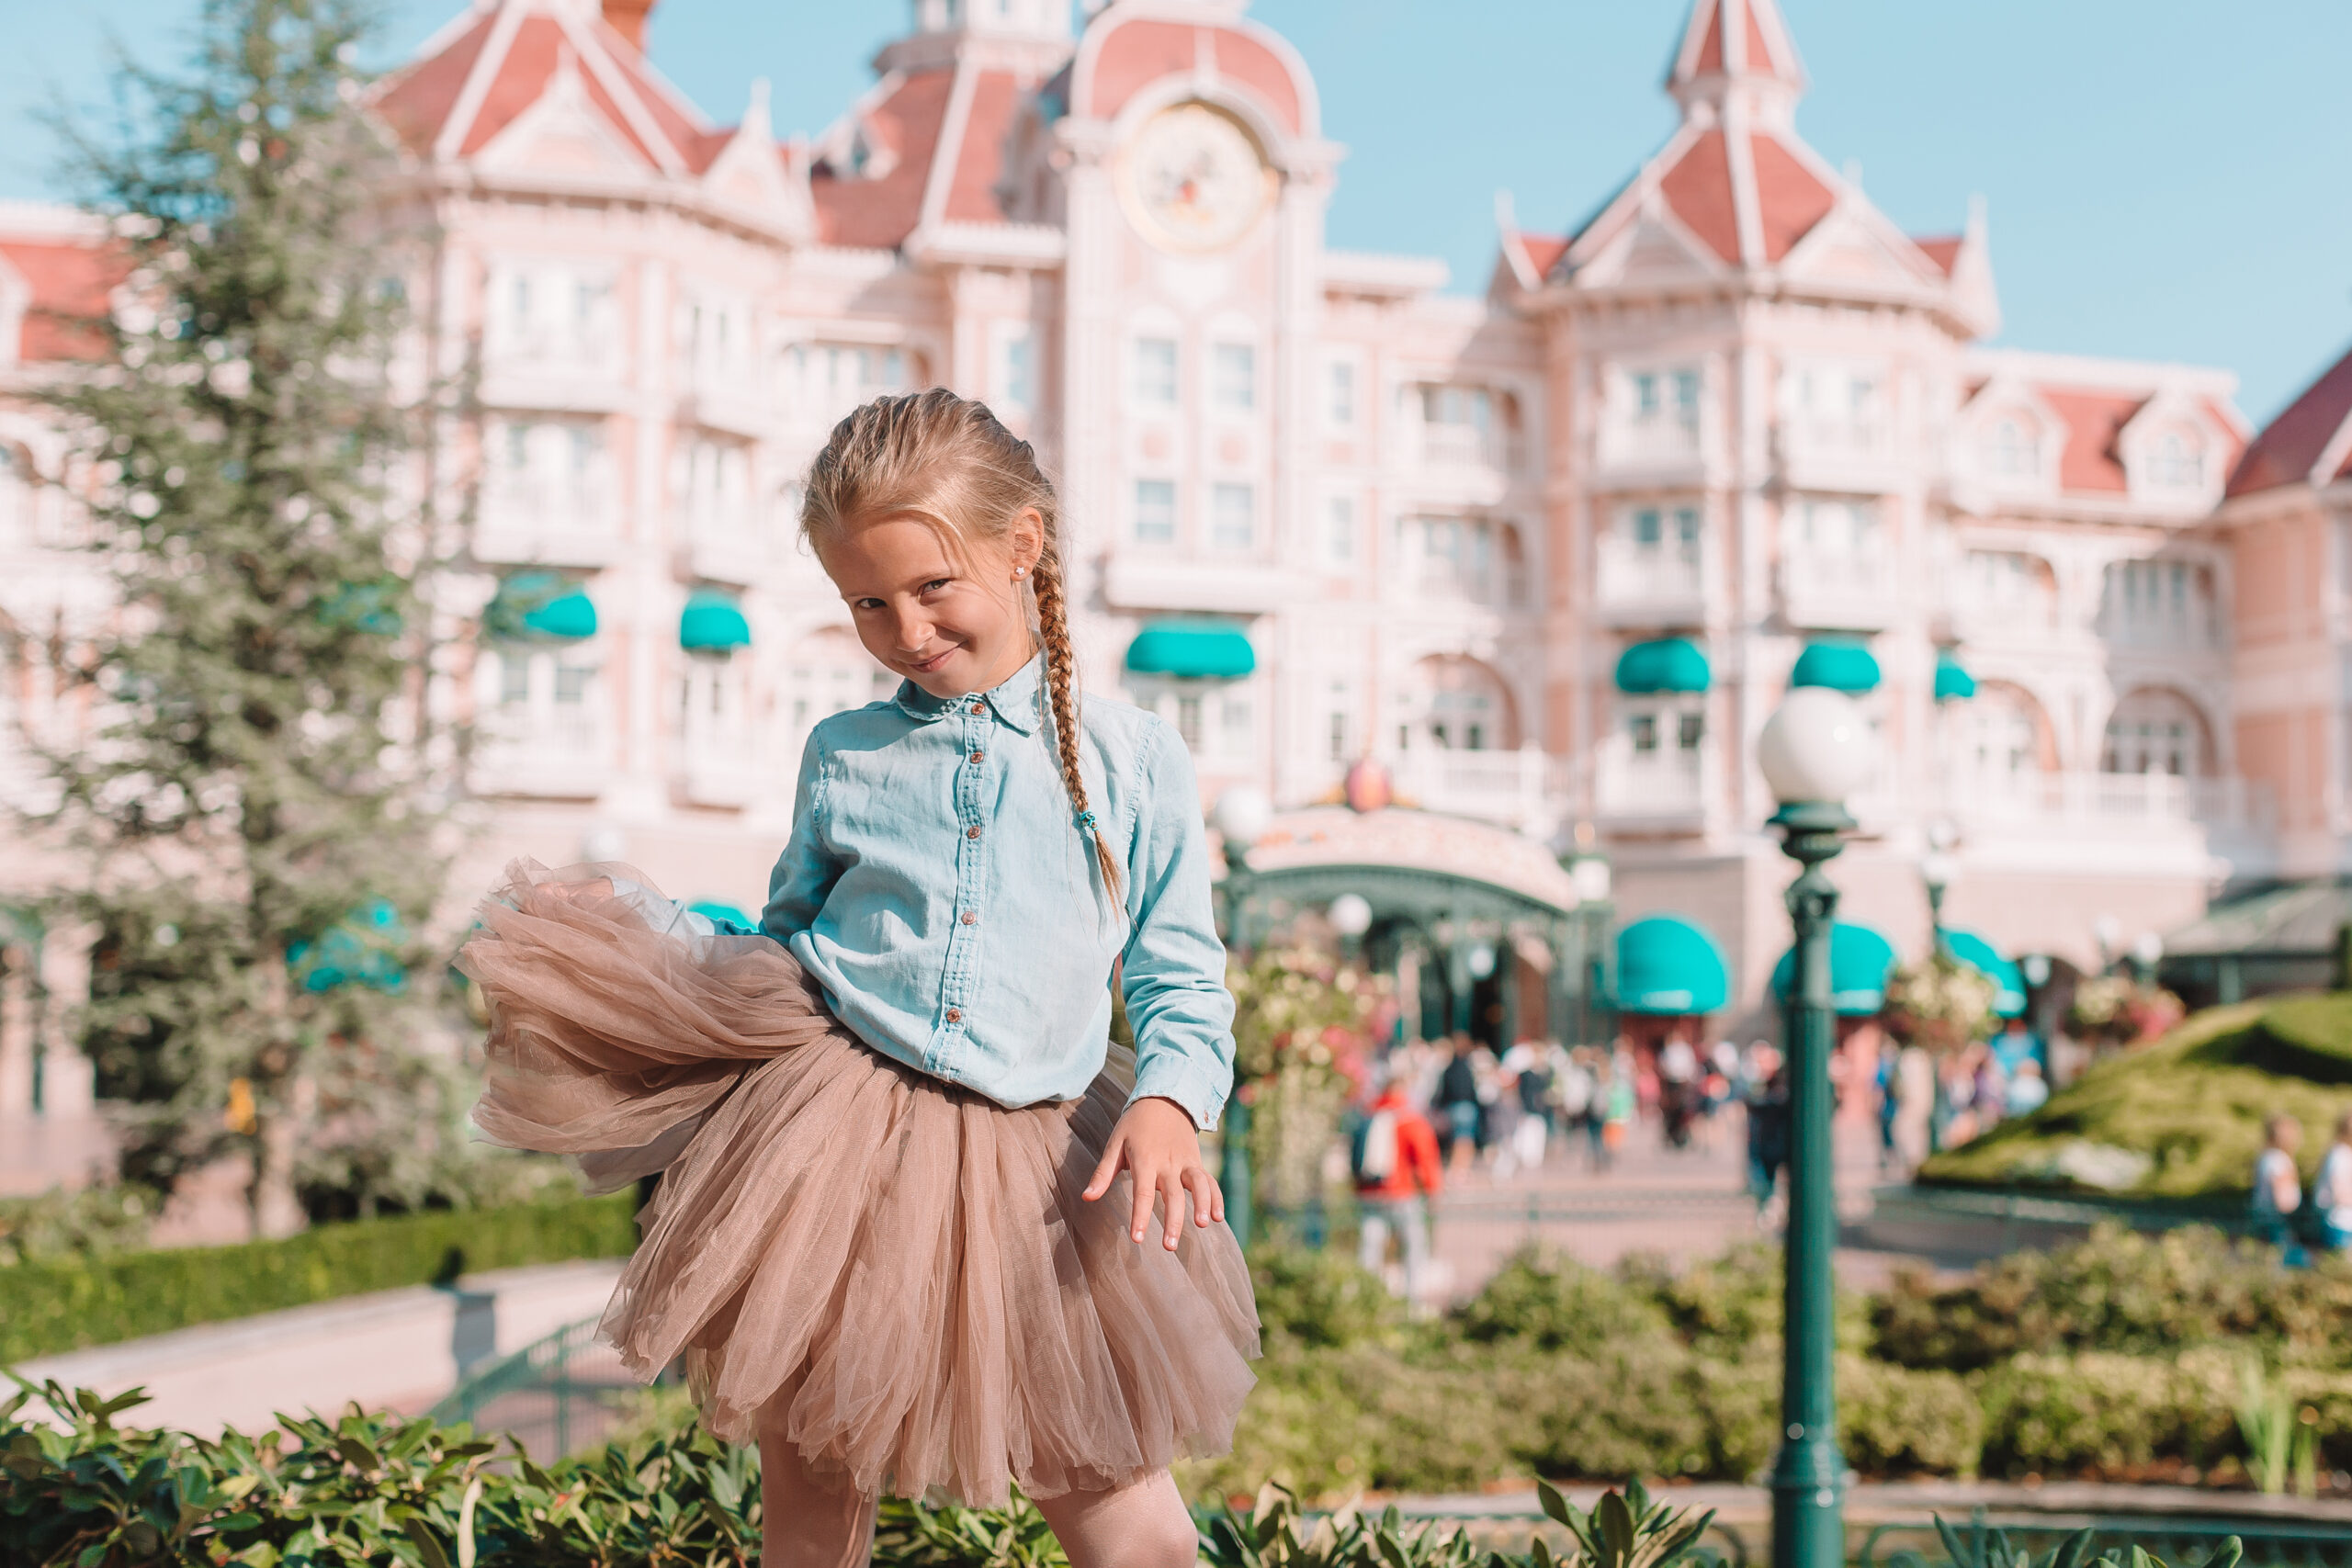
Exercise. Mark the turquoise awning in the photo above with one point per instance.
(712, 909)
(2008, 999)
(363, 948)
(1859, 961)
(537, 605)
(1212, 651)
(1840, 666)
(363, 606)
(1668, 967)
(1668, 664)
(712, 620)
(1953, 682)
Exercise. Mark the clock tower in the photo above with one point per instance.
(1195, 187)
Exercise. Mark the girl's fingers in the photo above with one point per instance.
(1171, 1189)
(1206, 1204)
(1112, 1152)
(1146, 1189)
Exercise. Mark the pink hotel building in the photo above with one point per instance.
(1552, 552)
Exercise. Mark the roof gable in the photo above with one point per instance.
(2291, 447)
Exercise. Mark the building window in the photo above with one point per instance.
(1238, 727)
(1644, 728)
(1665, 530)
(1016, 370)
(1154, 512)
(1838, 526)
(1338, 731)
(1341, 405)
(2011, 450)
(1666, 397)
(2178, 462)
(1188, 719)
(1465, 559)
(829, 380)
(2159, 602)
(1339, 530)
(1233, 517)
(1233, 384)
(1155, 373)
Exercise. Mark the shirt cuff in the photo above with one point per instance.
(666, 916)
(1201, 1090)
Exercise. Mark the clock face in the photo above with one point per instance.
(1194, 180)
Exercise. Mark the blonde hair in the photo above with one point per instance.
(951, 463)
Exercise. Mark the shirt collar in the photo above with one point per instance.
(1014, 701)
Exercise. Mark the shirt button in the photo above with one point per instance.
(970, 919)
(975, 758)
(979, 707)
(955, 1015)
(972, 832)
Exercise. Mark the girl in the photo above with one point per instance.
(919, 1227)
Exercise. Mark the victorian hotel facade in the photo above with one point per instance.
(1549, 552)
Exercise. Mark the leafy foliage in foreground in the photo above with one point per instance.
(382, 1489)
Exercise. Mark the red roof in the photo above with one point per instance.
(510, 55)
(1760, 39)
(1698, 189)
(979, 160)
(1134, 54)
(1788, 197)
(877, 213)
(70, 281)
(1542, 251)
(2290, 446)
(2091, 461)
(1941, 249)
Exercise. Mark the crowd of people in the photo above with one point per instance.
(2297, 1222)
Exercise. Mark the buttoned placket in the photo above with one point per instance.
(951, 1040)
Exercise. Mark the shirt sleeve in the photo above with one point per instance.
(1173, 972)
(806, 871)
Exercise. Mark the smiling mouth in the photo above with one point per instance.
(930, 666)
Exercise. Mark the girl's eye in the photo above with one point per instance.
(867, 604)
(937, 585)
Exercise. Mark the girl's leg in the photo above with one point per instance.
(1142, 1525)
(803, 1522)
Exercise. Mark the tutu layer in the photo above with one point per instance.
(897, 1276)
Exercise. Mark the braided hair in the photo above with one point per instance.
(951, 463)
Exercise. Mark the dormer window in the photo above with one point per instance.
(2176, 461)
(2012, 449)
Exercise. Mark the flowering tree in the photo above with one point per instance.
(1301, 1021)
(1940, 1005)
(2116, 1009)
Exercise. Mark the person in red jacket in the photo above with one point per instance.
(1394, 1151)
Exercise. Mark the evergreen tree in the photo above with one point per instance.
(257, 796)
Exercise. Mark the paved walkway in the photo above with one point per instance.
(1682, 1203)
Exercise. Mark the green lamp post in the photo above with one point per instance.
(1242, 814)
(1815, 751)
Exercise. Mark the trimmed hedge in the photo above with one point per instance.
(69, 1303)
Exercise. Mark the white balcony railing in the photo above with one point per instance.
(548, 524)
(1467, 446)
(1524, 789)
(1646, 443)
(2120, 800)
(1654, 583)
(1838, 589)
(1837, 442)
(1669, 786)
(558, 757)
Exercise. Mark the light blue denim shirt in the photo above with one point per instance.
(937, 888)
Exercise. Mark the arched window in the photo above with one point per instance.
(2155, 730)
(2007, 742)
(1456, 704)
(2012, 448)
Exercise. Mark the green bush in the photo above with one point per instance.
(1319, 1297)
(59, 1223)
(1556, 1304)
(2104, 1413)
(69, 1302)
(2118, 1292)
(1894, 1421)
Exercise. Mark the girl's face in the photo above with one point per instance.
(951, 620)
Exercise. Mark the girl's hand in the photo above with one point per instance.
(1156, 1142)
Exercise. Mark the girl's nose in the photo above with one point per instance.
(913, 630)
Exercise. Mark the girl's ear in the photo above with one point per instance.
(1027, 538)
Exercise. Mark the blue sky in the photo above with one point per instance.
(2166, 177)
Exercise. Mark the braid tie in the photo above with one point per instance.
(1061, 680)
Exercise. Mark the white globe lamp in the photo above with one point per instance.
(1815, 749)
(1242, 816)
(1350, 915)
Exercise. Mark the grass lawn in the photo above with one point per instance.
(2190, 1106)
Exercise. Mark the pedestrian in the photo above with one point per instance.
(919, 1228)
(2331, 1191)
(1888, 1081)
(1393, 1151)
(1576, 1096)
(2028, 1092)
(1620, 1104)
(1532, 1082)
(2278, 1186)
(1457, 1098)
(1767, 1131)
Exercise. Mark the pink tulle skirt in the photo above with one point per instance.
(895, 1275)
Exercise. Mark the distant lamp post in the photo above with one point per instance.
(1590, 874)
(1480, 960)
(2107, 932)
(1815, 751)
(1242, 816)
(1351, 916)
(2147, 951)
